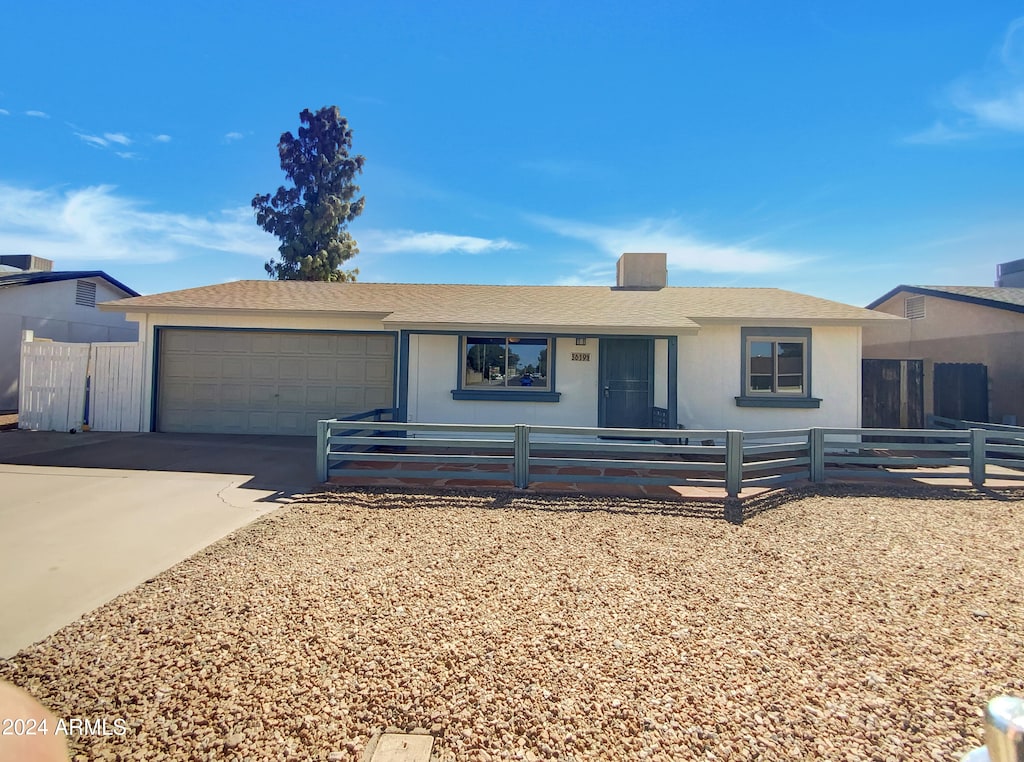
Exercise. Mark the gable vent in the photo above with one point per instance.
(913, 307)
(85, 293)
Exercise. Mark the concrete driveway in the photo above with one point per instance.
(85, 517)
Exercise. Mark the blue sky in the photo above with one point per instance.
(836, 149)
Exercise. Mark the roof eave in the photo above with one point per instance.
(179, 310)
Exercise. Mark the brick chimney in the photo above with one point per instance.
(641, 272)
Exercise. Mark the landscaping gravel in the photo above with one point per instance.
(834, 626)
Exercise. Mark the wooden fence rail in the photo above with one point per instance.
(734, 460)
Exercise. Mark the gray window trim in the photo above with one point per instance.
(506, 394)
(749, 398)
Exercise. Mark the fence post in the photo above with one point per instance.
(521, 456)
(733, 462)
(816, 454)
(978, 457)
(323, 434)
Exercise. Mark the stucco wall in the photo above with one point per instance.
(50, 311)
(433, 373)
(954, 331)
(710, 381)
(709, 377)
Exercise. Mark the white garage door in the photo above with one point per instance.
(269, 382)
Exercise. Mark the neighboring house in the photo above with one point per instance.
(276, 356)
(56, 305)
(956, 330)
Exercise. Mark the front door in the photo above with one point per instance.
(626, 393)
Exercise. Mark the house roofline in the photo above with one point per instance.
(117, 306)
(925, 291)
(32, 278)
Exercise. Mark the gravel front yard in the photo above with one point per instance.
(835, 626)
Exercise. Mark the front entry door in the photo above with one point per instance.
(626, 393)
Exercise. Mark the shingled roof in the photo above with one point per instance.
(997, 297)
(449, 306)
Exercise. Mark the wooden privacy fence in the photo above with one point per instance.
(64, 385)
(370, 446)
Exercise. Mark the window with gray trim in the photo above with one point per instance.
(506, 362)
(776, 368)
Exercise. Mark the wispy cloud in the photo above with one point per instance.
(93, 140)
(97, 223)
(4, 112)
(38, 114)
(162, 138)
(118, 137)
(231, 137)
(127, 154)
(412, 242)
(988, 100)
(938, 134)
(685, 249)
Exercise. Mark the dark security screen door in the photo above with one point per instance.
(625, 393)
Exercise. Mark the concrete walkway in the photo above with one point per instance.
(85, 517)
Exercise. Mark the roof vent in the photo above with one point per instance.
(27, 262)
(641, 272)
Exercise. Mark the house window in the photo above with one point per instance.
(85, 293)
(913, 307)
(506, 368)
(506, 362)
(776, 368)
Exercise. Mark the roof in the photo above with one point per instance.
(997, 297)
(22, 278)
(448, 306)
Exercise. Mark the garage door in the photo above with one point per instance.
(269, 382)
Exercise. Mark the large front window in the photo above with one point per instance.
(506, 362)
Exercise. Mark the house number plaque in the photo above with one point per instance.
(581, 356)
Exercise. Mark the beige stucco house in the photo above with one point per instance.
(957, 324)
(276, 356)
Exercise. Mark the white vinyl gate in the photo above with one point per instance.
(55, 377)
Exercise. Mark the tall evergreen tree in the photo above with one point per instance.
(311, 216)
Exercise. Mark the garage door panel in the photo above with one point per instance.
(263, 368)
(269, 382)
(380, 346)
(205, 394)
(206, 366)
(262, 394)
(234, 395)
(292, 369)
(320, 369)
(234, 368)
(352, 346)
(261, 343)
(322, 344)
(320, 397)
(378, 372)
(349, 371)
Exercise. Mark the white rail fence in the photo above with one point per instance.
(64, 386)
